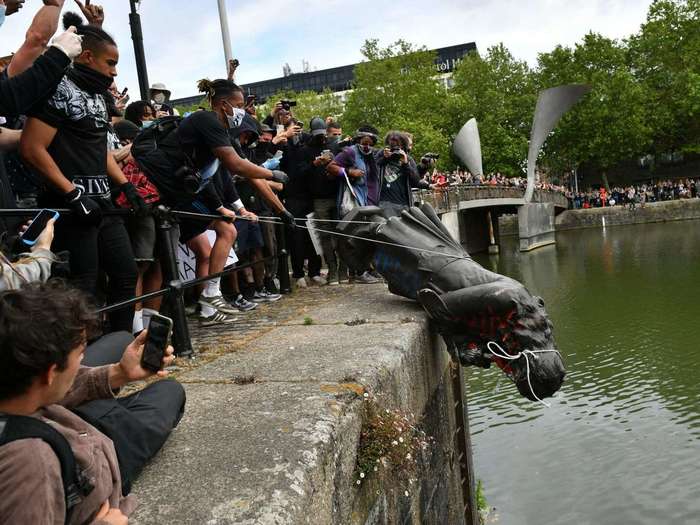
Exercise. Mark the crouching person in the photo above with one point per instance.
(55, 467)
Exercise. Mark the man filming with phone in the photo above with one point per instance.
(47, 399)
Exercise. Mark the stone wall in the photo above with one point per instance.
(679, 210)
(271, 428)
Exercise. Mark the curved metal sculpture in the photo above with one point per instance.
(551, 106)
(467, 146)
(470, 306)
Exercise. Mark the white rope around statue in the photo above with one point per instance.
(524, 353)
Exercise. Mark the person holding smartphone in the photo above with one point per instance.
(34, 266)
(42, 379)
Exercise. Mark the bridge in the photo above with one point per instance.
(471, 214)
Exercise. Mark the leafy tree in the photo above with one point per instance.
(665, 58)
(499, 91)
(398, 88)
(610, 124)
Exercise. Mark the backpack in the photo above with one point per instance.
(146, 148)
(75, 484)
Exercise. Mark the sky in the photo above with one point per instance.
(182, 38)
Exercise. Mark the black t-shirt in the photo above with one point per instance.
(199, 134)
(80, 145)
(395, 184)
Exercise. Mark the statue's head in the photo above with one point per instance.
(505, 313)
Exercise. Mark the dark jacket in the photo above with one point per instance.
(31, 87)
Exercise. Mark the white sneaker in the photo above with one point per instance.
(216, 318)
(317, 280)
(301, 283)
(217, 303)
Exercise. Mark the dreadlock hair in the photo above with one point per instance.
(217, 90)
(94, 38)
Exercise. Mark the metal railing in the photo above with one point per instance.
(173, 292)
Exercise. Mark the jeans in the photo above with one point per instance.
(104, 248)
(138, 424)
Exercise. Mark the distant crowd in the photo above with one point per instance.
(441, 179)
(665, 190)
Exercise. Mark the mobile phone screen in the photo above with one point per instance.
(37, 226)
(156, 342)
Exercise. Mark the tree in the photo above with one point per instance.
(499, 92)
(398, 88)
(611, 123)
(665, 59)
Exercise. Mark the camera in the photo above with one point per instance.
(430, 158)
(395, 153)
(288, 104)
(191, 179)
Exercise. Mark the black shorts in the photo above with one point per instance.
(190, 228)
(249, 236)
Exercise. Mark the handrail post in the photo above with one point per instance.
(174, 302)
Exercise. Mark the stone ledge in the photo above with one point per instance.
(270, 432)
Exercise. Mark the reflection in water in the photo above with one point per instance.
(621, 443)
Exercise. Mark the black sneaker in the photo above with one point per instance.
(243, 304)
(270, 285)
(263, 296)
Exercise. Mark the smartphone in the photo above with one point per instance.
(280, 129)
(37, 226)
(124, 91)
(159, 330)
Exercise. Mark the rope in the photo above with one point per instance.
(525, 353)
(275, 220)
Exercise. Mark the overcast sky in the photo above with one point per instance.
(183, 40)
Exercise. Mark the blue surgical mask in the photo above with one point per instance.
(147, 124)
(3, 8)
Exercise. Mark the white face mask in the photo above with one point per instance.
(235, 120)
(3, 8)
(159, 98)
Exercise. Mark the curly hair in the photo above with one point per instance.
(40, 325)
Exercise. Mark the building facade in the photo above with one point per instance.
(337, 79)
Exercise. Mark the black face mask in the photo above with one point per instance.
(90, 80)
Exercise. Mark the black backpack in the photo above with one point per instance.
(75, 484)
(147, 146)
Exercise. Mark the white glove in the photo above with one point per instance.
(68, 42)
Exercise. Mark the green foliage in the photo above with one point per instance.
(610, 124)
(665, 59)
(500, 93)
(308, 321)
(193, 107)
(398, 88)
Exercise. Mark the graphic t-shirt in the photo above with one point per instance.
(80, 145)
(394, 186)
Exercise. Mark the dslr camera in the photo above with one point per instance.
(288, 104)
(395, 153)
(430, 158)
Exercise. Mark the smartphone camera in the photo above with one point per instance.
(157, 340)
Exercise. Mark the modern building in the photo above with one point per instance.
(337, 79)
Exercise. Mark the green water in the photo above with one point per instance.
(621, 441)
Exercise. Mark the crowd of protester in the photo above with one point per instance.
(439, 179)
(633, 195)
